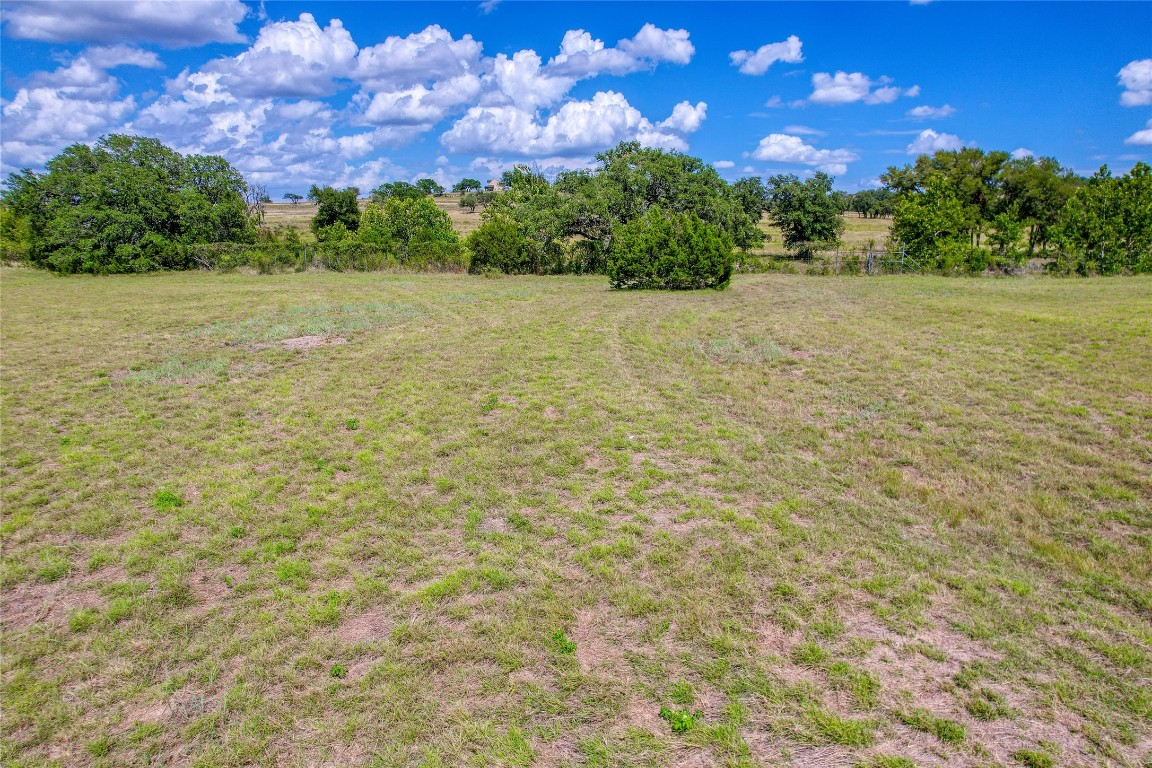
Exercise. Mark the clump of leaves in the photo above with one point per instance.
(681, 720)
(562, 643)
(352, 424)
(166, 501)
(338, 671)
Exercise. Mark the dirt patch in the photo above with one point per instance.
(109, 574)
(821, 757)
(564, 751)
(211, 588)
(373, 625)
(493, 525)
(302, 343)
(600, 644)
(28, 604)
(676, 520)
(154, 712)
(644, 714)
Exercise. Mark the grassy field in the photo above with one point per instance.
(412, 520)
(858, 230)
(299, 216)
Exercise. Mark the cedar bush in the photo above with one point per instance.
(671, 251)
(499, 245)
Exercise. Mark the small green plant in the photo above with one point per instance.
(166, 501)
(83, 619)
(338, 671)
(682, 693)
(840, 730)
(53, 569)
(809, 654)
(987, 705)
(562, 643)
(289, 570)
(101, 747)
(681, 720)
(863, 686)
(352, 424)
(946, 730)
(1033, 758)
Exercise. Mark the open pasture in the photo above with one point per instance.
(414, 520)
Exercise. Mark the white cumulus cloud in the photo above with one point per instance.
(577, 127)
(757, 62)
(522, 81)
(1136, 80)
(175, 23)
(926, 112)
(850, 87)
(1141, 137)
(929, 141)
(583, 56)
(422, 105)
(290, 58)
(783, 148)
(429, 55)
(724, 164)
(75, 102)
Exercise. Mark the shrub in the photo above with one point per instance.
(499, 245)
(415, 230)
(670, 251)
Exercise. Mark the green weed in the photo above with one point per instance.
(681, 720)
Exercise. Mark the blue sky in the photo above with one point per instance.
(365, 92)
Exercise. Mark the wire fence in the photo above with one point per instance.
(881, 261)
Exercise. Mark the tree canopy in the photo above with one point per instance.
(127, 204)
(467, 185)
(1106, 226)
(807, 212)
(335, 206)
(583, 210)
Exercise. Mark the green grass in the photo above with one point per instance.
(511, 519)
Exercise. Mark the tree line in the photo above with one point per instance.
(644, 217)
(968, 211)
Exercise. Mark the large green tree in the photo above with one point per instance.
(933, 228)
(974, 176)
(807, 212)
(1106, 226)
(335, 207)
(396, 189)
(127, 204)
(415, 230)
(1035, 191)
